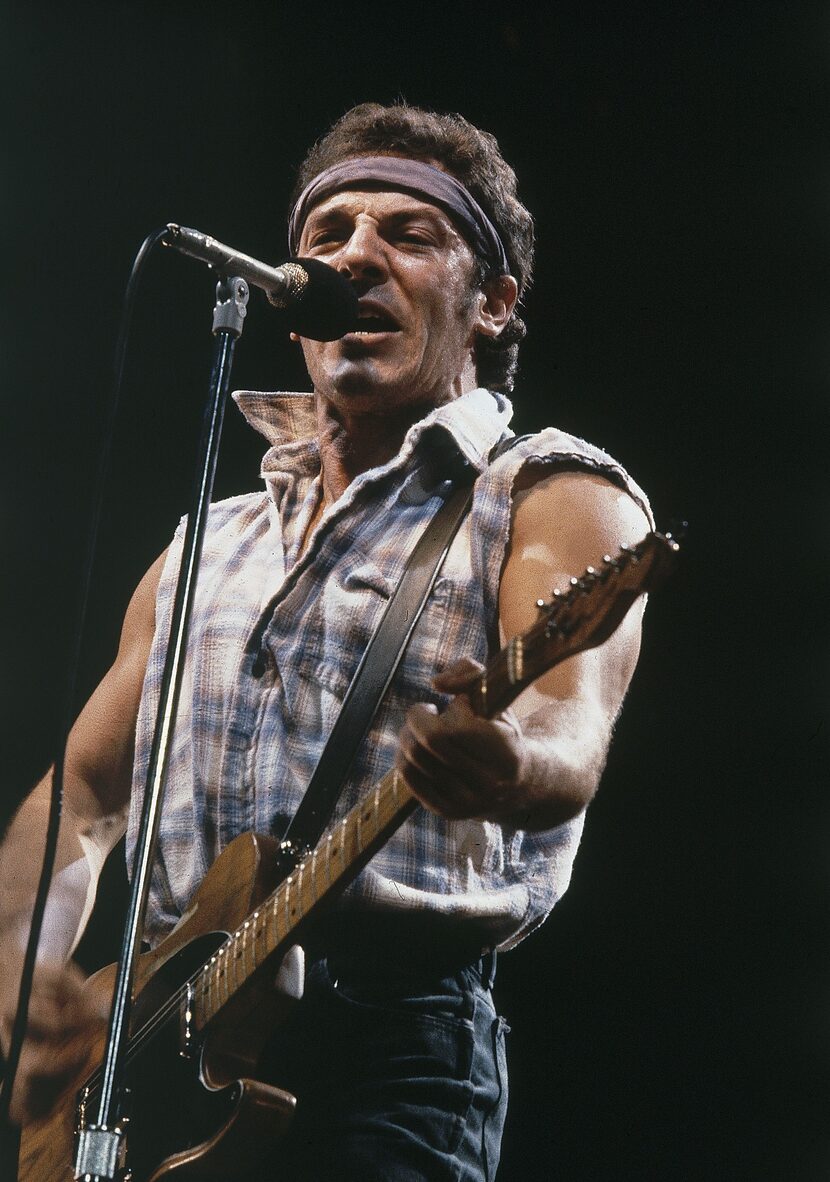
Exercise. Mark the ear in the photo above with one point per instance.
(497, 299)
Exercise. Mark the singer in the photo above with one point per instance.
(395, 1052)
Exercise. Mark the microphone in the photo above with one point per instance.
(319, 302)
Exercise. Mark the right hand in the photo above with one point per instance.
(65, 1022)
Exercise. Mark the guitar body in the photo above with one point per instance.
(200, 1117)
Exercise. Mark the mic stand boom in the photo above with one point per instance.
(102, 1146)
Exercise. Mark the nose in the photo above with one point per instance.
(362, 255)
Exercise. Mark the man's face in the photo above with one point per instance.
(413, 273)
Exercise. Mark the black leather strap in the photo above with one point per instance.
(380, 661)
(376, 669)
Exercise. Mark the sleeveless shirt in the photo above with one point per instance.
(276, 636)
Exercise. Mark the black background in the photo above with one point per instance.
(671, 1020)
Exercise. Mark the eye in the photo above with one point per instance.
(324, 237)
(415, 236)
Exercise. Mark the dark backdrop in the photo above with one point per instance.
(671, 1019)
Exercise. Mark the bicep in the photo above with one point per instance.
(100, 751)
(561, 525)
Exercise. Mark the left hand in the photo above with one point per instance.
(460, 765)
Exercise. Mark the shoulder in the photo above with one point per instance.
(233, 514)
(577, 515)
(571, 502)
(529, 460)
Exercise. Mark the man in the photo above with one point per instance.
(396, 1052)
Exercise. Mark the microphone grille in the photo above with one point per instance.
(297, 283)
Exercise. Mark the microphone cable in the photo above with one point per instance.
(56, 797)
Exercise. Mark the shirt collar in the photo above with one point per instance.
(475, 422)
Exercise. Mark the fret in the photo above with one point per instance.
(274, 920)
(209, 985)
(301, 907)
(314, 895)
(261, 932)
(236, 949)
(289, 882)
(328, 860)
(198, 1001)
(343, 846)
(233, 958)
(377, 806)
(222, 971)
(254, 934)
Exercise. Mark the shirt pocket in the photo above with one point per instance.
(350, 607)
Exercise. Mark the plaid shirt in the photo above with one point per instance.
(276, 637)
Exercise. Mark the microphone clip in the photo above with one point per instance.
(231, 308)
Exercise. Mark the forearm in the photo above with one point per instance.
(533, 768)
(563, 761)
(82, 847)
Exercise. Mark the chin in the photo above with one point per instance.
(365, 379)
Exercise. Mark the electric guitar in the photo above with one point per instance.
(205, 998)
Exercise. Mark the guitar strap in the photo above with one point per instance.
(380, 661)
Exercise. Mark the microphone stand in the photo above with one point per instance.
(101, 1151)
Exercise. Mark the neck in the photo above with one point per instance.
(352, 443)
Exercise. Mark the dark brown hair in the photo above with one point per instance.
(472, 157)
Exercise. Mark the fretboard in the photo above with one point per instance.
(334, 861)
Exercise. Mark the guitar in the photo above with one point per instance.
(205, 999)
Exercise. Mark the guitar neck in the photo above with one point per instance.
(336, 859)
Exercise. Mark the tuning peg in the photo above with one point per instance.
(676, 533)
(548, 605)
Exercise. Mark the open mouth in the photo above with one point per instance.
(371, 323)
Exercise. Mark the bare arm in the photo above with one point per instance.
(97, 778)
(540, 763)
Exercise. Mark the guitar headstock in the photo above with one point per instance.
(579, 617)
(593, 605)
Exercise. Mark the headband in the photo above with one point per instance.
(412, 176)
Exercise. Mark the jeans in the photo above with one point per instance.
(398, 1079)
